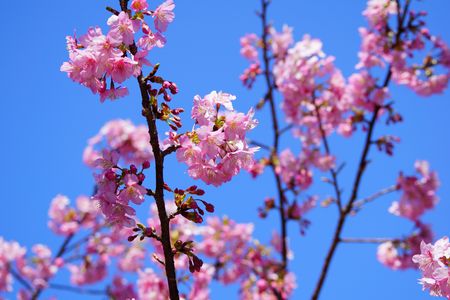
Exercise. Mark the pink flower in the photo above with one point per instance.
(434, 262)
(133, 191)
(128, 142)
(164, 15)
(217, 150)
(63, 220)
(123, 28)
(281, 41)
(377, 11)
(249, 75)
(120, 289)
(133, 259)
(121, 68)
(248, 49)
(151, 286)
(419, 194)
(89, 271)
(139, 5)
(113, 93)
(9, 252)
(398, 254)
(41, 268)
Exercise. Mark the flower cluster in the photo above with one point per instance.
(418, 194)
(399, 48)
(238, 258)
(434, 262)
(131, 142)
(217, 150)
(249, 44)
(96, 58)
(116, 187)
(65, 220)
(9, 253)
(398, 254)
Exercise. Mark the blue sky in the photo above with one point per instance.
(47, 119)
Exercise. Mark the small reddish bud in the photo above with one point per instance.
(146, 165)
(110, 175)
(209, 207)
(141, 177)
(132, 237)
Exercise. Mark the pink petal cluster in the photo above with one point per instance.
(310, 84)
(9, 253)
(293, 171)
(378, 48)
(164, 15)
(115, 191)
(133, 259)
(96, 56)
(217, 150)
(248, 78)
(151, 286)
(281, 41)
(249, 44)
(241, 259)
(120, 289)
(89, 271)
(96, 59)
(41, 267)
(65, 220)
(398, 254)
(131, 142)
(434, 262)
(418, 193)
(248, 47)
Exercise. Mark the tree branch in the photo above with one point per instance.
(78, 290)
(361, 168)
(368, 240)
(358, 204)
(333, 172)
(276, 137)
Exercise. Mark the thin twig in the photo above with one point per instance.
(77, 290)
(368, 240)
(358, 204)
(170, 150)
(19, 278)
(264, 146)
(333, 172)
(112, 10)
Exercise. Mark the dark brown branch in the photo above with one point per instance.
(149, 112)
(275, 127)
(112, 10)
(361, 168)
(170, 150)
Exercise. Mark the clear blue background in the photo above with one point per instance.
(46, 120)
